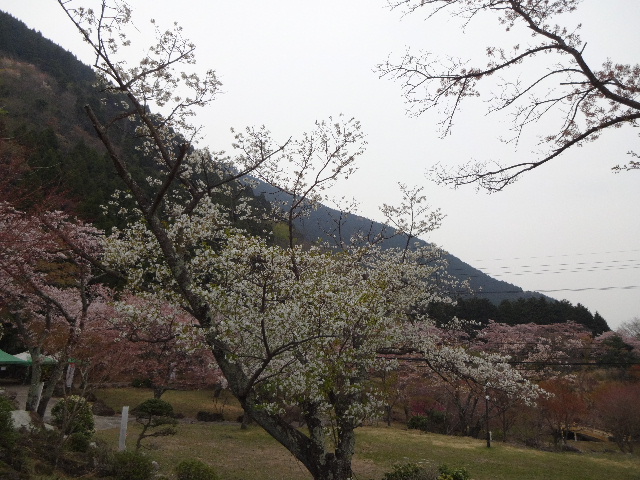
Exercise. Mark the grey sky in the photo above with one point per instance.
(286, 63)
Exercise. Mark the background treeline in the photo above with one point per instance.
(540, 310)
(20, 42)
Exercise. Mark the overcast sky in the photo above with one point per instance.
(570, 229)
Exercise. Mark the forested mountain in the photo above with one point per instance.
(321, 224)
(43, 89)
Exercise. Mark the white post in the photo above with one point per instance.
(39, 393)
(71, 370)
(123, 429)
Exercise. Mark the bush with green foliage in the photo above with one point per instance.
(434, 421)
(154, 413)
(410, 471)
(416, 471)
(131, 465)
(153, 407)
(8, 435)
(448, 473)
(73, 415)
(418, 422)
(79, 442)
(195, 470)
(11, 455)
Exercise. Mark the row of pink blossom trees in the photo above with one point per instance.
(52, 289)
(590, 382)
(57, 294)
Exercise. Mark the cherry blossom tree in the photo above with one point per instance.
(575, 100)
(630, 328)
(562, 409)
(292, 326)
(542, 351)
(48, 287)
(617, 408)
(477, 384)
(164, 346)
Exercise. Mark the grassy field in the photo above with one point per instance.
(187, 403)
(252, 455)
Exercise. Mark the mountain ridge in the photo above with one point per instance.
(320, 221)
(74, 79)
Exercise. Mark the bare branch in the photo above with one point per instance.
(587, 100)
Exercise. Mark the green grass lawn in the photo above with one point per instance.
(187, 403)
(252, 454)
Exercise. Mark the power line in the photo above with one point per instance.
(488, 292)
(606, 268)
(556, 268)
(628, 287)
(555, 256)
(560, 268)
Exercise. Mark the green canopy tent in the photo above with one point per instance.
(8, 359)
(26, 357)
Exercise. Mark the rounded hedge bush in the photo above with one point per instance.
(74, 415)
(410, 471)
(132, 465)
(195, 470)
(418, 422)
(448, 473)
(153, 407)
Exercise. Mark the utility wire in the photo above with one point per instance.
(560, 268)
(557, 267)
(594, 267)
(556, 256)
(488, 292)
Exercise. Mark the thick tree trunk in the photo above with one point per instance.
(310, 450)
(322, 464)
(34, 387)
(388, 409)
(47, 393)
(246, 420)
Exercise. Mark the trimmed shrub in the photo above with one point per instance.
(418, 422)
(434, 421)
(195, 470)
(73, 415)
(410, 471)
(153, 414)
(447, 473)
(154, 407)
(131, 465)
